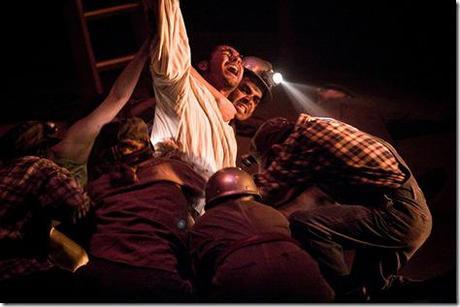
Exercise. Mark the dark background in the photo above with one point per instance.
(401, 51)
(405, 45)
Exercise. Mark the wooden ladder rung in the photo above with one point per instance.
(114, 63)
(108, 11)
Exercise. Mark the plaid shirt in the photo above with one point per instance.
(29, 185)
(322, 148)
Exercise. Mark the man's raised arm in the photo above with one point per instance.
(80, 137)
(170, 57)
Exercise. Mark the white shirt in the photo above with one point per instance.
(186, 110)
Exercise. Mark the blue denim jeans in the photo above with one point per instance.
(384, 236)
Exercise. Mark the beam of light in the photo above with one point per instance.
(300, 96)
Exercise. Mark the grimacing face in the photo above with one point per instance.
(225, 68)
(245, 98)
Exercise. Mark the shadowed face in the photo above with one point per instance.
(245, 98)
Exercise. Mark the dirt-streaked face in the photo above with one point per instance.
(245, 98)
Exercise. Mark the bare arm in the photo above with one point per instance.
(80, 137)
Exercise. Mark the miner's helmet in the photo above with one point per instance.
(227, 182)
(261, 72)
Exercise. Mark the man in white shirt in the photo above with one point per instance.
(192, 111)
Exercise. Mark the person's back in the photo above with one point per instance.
(231, 222)
(138, 250)
(242, 251)
(143, 223)
(380, 211)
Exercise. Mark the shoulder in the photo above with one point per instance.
(48, 166)
(33, 161)
(264, 207)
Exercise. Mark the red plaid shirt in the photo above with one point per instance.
(32, 183)
(321, 148)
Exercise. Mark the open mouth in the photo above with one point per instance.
(241, 107)
(233, 69)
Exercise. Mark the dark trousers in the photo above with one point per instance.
(106, 281)
(385, 237)
(269, 273)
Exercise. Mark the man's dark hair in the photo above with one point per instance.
(203, 51)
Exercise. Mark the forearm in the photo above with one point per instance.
(276, 197)
(290, 170)
(122, 89)
(80, 137)
(275, 191)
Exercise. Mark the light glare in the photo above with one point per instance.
(277, 78)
